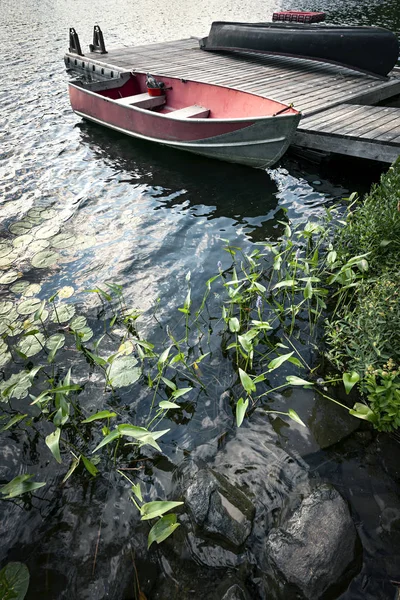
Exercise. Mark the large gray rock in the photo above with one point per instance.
(219, 508)
(313, 550)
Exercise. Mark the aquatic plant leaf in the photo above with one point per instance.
(278, 361)
(9, 277)
(285, 283)
(5, 307)
(78, 323)
(295, 417)
(241, 408)
(27, 307)
(65, 292)
(85, 334)
(126, 348)
(162, 529)
(163, 357)
(166, 404)
(19, 287)
(234, 324)
(293, 380)
(44, 259)
(31, 344)
(62, 313)
(122, 371)
(14, 581)
(137, 491)
(20, 227)
(13, 421)
(17, 385)
(308, 290)
(350, 380)
(52, 442)
(151, 510)
(246, 381)
(47, 231)
(5, 358)
(103, 414)
(169, 383)
(22, 240)
(32, 290)
(20, 485)
(361, 411)
(108, 439)
(181, 392)
(63, 240)
(82, 242)
(89, 466)
(5, 249)
(38, 246)
(293, 360)
(74, 464)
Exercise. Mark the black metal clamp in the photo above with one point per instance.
(98, 41)
(74, 44)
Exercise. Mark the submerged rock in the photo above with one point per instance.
(315, 547)
(235, 592)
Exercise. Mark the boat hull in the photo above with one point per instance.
(369, 49)
(255, 141)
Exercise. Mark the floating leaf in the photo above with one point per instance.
(27, 307)
(84, 241)
(20, 227)
(241, 408)
(166, 404)
(31, 344)
(38, 246)
(162, 529)
(54, 343)
(126, 348)
(246, 381)
(22, 240)
(20, 485)
(151, 510)
(19, 287)
(5, 307)
(18, 384)
(13, 421)
(14, 581)
(5, 358)
(63, 240)
(78, 323)
(9, 277)
(44, 259)
(5, 249)
(62, 313)
(47, 213)
(52, 442)
(66, 291)
(278, 361)
(295, 417)
(85, 334)
(32, 290)
(104, 414)
(350, 380)
(47, 231)
(123, 372)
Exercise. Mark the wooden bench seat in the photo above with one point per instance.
(142, 100)
(191, 112)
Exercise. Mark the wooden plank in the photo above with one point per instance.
(330, 115)
(347, 119)
(340, 145)
(365, 123)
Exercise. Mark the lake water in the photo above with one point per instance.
(145, 216)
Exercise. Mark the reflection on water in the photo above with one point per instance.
(145, 216)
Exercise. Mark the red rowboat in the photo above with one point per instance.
(211, 120)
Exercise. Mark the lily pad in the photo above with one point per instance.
(85, 334)
(66, 291)
(32, 290)
(14, 579)
(17, 385)
(84, 241)
(47, 230)
(62, 313)
(5, 358)
(123, 371)
(38, 246)
(55, 341)
(48, 213)
(22, 240)
(44, 259)
(5, 249)
(27, 307)
(19, 287)
(7, 261)
(9, 277)
(20, 227)
(31, 344)
(5, 307)
(78, 323)
(63, 240)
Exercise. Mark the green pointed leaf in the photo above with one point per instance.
(241, 408)
(180, 392)
(14, 581)
(13, 421)
(293, 380)
(103, 414)
(361, 411)
(151, 510)
(162, 529)
(20, 485)
(137, 491)
(107, 440)
(169, 383)
(278, 361)
(52, 442)
(89, 466)
(295, 417)
(246, 381)
(75, 462)
(308, 290)
(286, 283)
(350, 380)
(234, 324)
(166, 404)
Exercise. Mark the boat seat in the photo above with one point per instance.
(142, 100)
(193, 112)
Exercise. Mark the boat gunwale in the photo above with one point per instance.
(195, 120)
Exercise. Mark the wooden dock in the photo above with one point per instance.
(336, 102)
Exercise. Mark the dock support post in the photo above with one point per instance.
(98, 41)
(74, 44)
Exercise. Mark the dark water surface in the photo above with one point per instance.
(144, 216)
